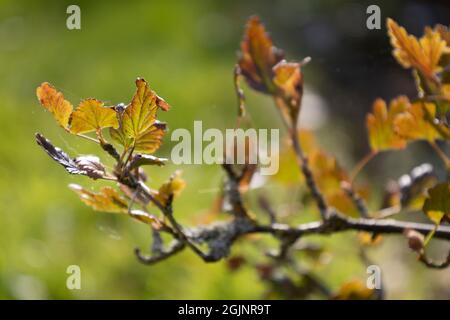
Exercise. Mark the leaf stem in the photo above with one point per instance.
(441, 154)
(361, 164)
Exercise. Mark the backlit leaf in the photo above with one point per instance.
(106, 200)
(417, 123)
(288, 80)
(141, 113)
(138, 125)
(380, 124)
(92, 115)
(437, 205)
(422, 54)
(151, 140)
(54, 102)
(327, 172)
(258, 56)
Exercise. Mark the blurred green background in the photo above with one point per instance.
(186, 51)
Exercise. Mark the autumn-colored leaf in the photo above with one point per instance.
(54, 102)
(380, 124)
(173, 187)
(146, 218)
(422, 54)
(109, 200)
(151, 140)
(141, 113)
(443, 31)
(288, 80)
(354, 290)
(417, 123)
(258, 56)
(148, 142)
(288, 172)
(326, 170)
(139, 127)
(369, 239)
(445, 59)
(106, 200)
(437, 205)
(92, 115)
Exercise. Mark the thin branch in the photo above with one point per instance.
(302, 161)
(361, 164)
(265, 205)
(435, 265)
(175, 247)
(356, 199)
(441, 154)
(338, 223)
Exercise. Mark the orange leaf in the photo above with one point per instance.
(54, 102)
(417, 123)
(380, 124)
(258, 56)
(422, 54)
(354, 290)
(106, 200)
(289, 82)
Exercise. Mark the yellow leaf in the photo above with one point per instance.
(382, 135)
(437, 205)
(258, 56)
(172, 187)
(54, 102)
(446, 91)
(354, 290)
(416, 123)
(422, 54)
(369, 239)
(141, 113)
(151, 140)
(92, 115)
(443, 31)
(289, 82)
(288, 172)
(106, 200)
(148, 142)
(326, 170)
(139, 127)
(119, 136)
